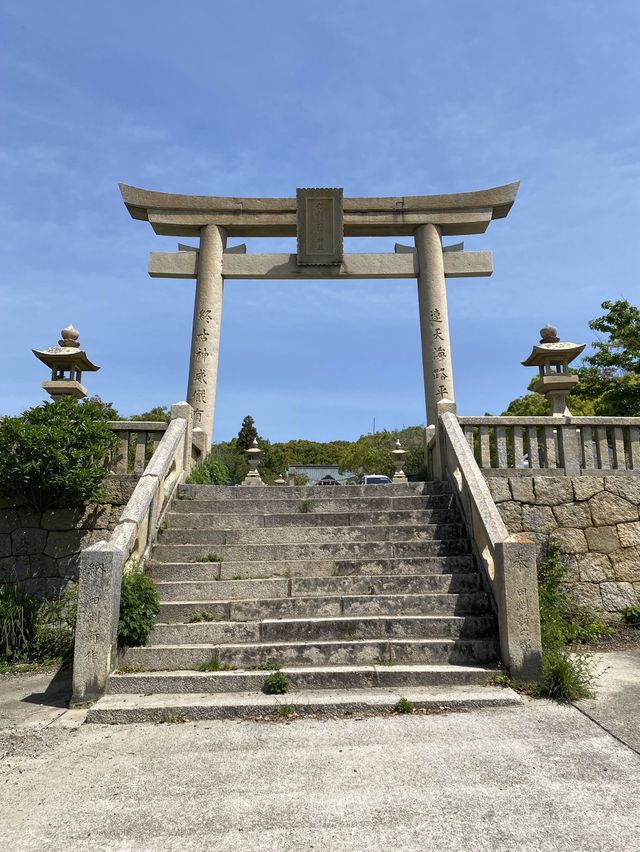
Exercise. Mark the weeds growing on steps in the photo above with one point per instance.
(169, 718)
(204, 615)
(305, 507)
(403, 705)
(208, 557)
(275, 684)
(214, 665)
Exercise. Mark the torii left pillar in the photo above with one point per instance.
(434, 320)
(205, 334)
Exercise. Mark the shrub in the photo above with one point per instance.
(565, 677)
(403, 705)
(275, 684)
(631, 616)
(55, 454)
(211, 471)
(139, 606)
(33, 631)
(562, 619)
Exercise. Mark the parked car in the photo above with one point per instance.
(375, 479)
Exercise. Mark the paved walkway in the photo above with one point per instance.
(539, 777)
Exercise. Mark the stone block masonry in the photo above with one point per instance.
(595, 520)
(40, 551)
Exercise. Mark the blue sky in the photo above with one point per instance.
(257, 98)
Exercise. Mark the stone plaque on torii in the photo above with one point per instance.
(319, 218)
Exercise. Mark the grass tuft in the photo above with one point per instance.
(403, 705)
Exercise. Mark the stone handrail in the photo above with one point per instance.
(507, 562)
(556, 445)
(103, 564)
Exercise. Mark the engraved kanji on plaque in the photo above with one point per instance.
(320, 214)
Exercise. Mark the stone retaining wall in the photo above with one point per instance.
(39, 551)
(594, 519)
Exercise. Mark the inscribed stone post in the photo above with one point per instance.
(97, 621)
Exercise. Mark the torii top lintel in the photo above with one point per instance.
(185, 215)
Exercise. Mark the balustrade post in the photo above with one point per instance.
(96, 643)
(439, 456)
(184, 410)
(569, 446)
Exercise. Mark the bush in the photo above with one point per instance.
(211, 471)
(631, 616)
(32, 631)
(275, 684)
(139, 606)
(55, 454)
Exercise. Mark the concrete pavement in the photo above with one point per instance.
(536, 777)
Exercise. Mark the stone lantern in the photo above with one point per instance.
(398, 454)
(552, 358)
(253, 454)
(67, 362)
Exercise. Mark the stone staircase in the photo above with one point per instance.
(360, 594)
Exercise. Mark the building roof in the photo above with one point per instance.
(316, 472)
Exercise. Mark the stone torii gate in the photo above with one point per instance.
(319, 218)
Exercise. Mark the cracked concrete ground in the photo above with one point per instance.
(538, 777)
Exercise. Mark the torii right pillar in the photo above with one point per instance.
(434, 320)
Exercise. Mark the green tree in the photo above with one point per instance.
(247, 434)
(372, 453)
(158, 414)
(610, 376)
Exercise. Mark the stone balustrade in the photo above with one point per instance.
(103, 564)
(507, 562)
(564, 446)
(137, 441)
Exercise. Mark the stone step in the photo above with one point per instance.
(310, 535)
(325, 629)
(316, 677)
(168, 707)
(176, 571)
(281, 587)
(231, 521)
(317, 653)
(334, 550)
(430, 603)
(311, 492)
(262, 506)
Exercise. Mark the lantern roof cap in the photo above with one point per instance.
(66, 352)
